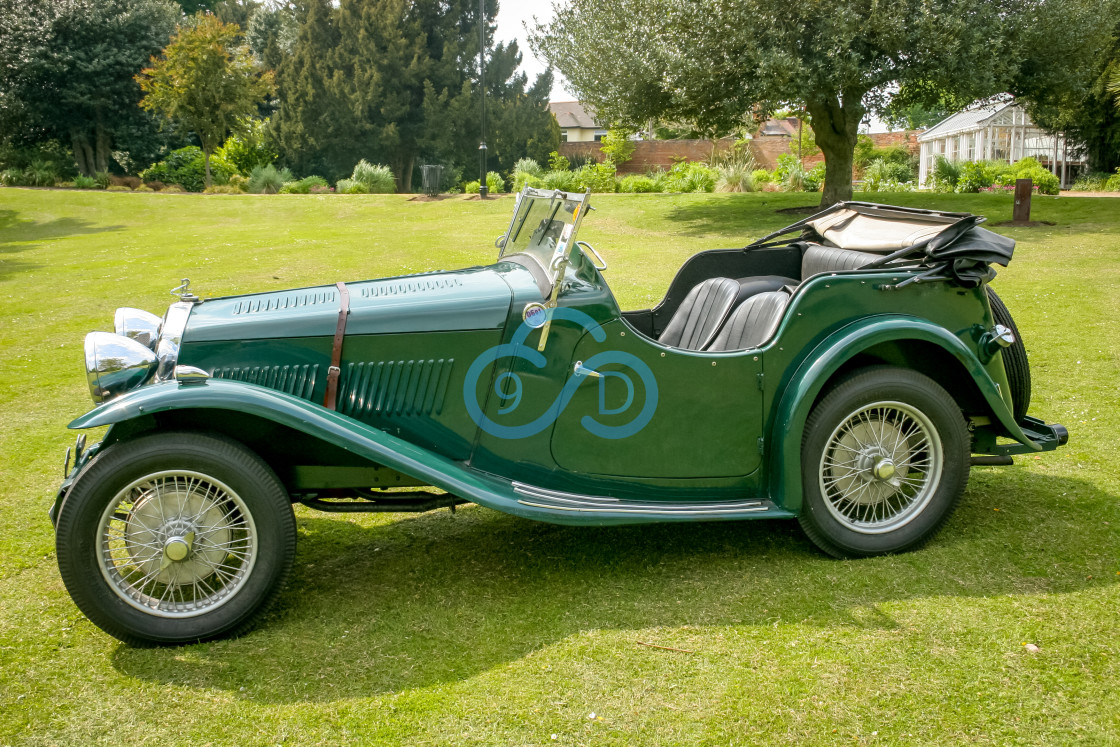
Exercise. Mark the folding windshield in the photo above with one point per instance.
(544, 226)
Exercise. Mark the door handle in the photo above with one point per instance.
(582, 370)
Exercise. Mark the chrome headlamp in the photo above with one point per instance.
(138, 325)
(115, 364)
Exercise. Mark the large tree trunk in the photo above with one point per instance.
(206, 160)
(83, 154)
(402, 172)
(102, 143)
(836, 125)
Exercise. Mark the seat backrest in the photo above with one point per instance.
(818, 259)
(698, 318)
(756, 284)
(753, 323)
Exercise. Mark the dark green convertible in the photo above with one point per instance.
(845, 371)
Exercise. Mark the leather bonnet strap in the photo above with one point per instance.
(334, 372)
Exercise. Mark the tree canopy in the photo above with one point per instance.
(1064, 82)
(718, 63)
(66, 71)
(395, 81)
(205, 82)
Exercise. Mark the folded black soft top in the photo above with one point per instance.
(950, 246)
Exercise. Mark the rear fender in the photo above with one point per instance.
(807, 382)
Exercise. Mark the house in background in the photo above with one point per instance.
(577, 122)
(997, 132)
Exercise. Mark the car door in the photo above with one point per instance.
(659, 412)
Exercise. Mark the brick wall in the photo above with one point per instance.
(651, 154)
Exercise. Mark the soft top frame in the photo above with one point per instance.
(962, 252)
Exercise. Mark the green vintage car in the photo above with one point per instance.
(845, 371)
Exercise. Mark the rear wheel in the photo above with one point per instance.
(174, 538)
(884, 463)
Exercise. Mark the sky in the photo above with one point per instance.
(512, 15)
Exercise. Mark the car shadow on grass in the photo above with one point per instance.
(437, 598)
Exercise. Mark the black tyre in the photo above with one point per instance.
(1014, 359)
(175, 538)
(884, 463)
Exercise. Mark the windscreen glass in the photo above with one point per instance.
(544, 225)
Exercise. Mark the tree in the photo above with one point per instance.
(713, 62)
(66, 71)
(396, 82)
(917, 107)
(1064, 82)
(618, 146)
(311, 123)
(271, 35)
(205, 83)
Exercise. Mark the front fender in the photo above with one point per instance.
(358, 438)
(827, 358)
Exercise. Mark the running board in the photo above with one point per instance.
(556, 500)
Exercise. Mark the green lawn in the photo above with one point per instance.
(480, 628)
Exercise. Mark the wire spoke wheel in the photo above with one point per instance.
(177, 543)
(884, 463)
(175, 537)
(880, 467)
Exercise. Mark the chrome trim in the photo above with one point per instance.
(560, 501)
(190, 375)
(1003, 336)
(183, 291)
(137, 324)
(115, 364)
(171, 336)
(602, 266)
(527, 489)
(675, 509)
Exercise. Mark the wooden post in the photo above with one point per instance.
(1021, 213)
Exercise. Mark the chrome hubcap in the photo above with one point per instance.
(884, 470)
(880, 467)
(177, 549)
(177, 544)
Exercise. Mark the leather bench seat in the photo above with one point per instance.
(697, 320)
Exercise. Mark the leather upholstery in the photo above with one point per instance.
(700, 315)
(761, 284)
(753, 323)
(818, 259)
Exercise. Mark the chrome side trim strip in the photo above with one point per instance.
(533, 490)
(560, 501)
(682, 511)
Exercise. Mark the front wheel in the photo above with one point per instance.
(174, 538)
(884, 463)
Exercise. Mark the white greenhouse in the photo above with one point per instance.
(997, 132)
